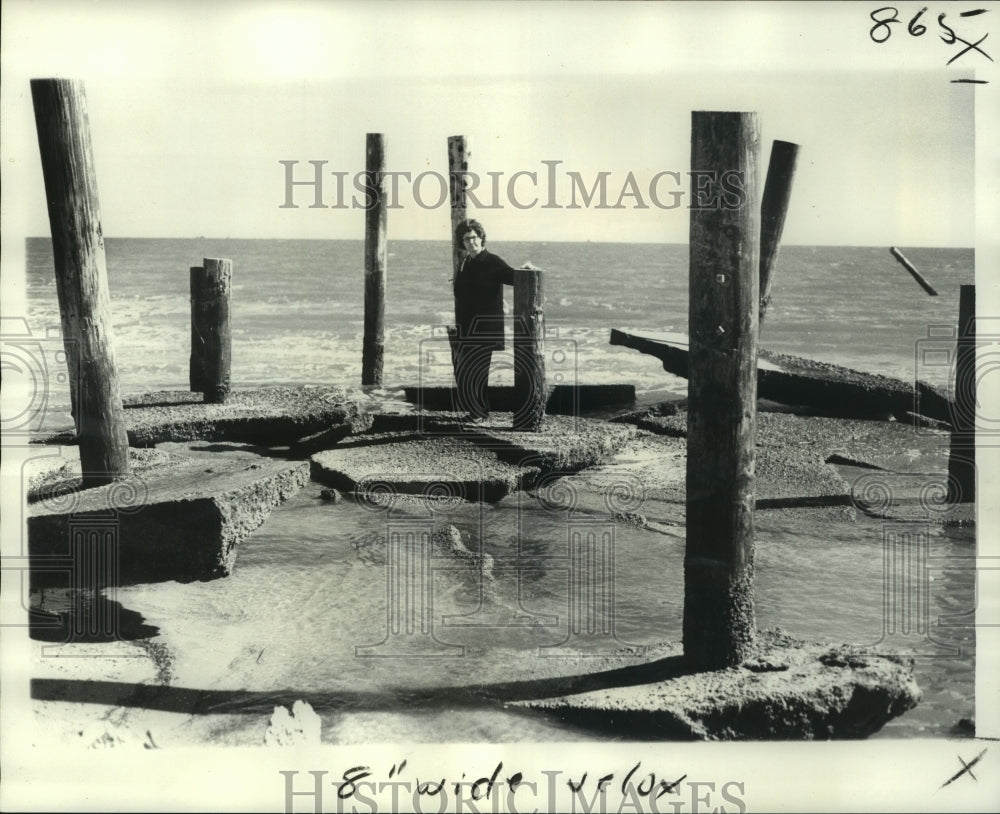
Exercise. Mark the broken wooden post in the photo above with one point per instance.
(773, 208)
(906, 264)
(211, 335)
(81, 277)
(719, 623)
(962, 456)
(529, 356)
(373, 346)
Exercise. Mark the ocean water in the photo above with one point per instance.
(298, 308)
(300, 600)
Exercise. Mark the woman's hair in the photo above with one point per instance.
(470, 225)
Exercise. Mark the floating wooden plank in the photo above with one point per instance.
(906, 264)
(795, 380)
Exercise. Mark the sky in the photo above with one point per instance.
(192, 112)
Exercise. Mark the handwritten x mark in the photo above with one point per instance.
(966, 769)
(970, 46)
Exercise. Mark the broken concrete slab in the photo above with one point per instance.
(643, 483)
(785, 480)
(791, 471)
(640, 484)
(801, 459)
(436, 467)
(788, 379)
(667, 419)
(565, 443)
(415, 421)
(183, 521)
(61, 471)
(912, 497)
(563, 399)
(654, 418)
(890, 445)
(324, 439)
(789, 690)
(275, 416)
(477, 461)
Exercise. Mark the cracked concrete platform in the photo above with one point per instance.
(791, 690)
(274, 416)
(435, 467)
(180, 520)
(481, 462)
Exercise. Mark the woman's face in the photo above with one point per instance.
(473, 243)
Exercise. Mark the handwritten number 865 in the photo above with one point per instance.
(881, 31)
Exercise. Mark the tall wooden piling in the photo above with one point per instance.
(211, 333)
(81, 277)
(529, 353)
(719, 623)
(373, 348)
(962, 457)
(458, 166)
(773, 209)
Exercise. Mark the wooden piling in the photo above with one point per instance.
(962, 455)
(458, 166)
(906, 264)
(196, 366)
(373, 347)
(81, 277)
(529, 352)
(773, 209)
(211, 334)
(719, 623)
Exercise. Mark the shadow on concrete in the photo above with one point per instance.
(193, 701)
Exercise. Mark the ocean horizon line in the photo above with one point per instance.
(515, 240)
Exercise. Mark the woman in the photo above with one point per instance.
(479, 318)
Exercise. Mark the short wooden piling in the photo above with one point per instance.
(962, 457)
(196, 368)
(211, 334)
(719, 622)
(529, 352)
(81, 277)
(373, 346)
(773, 209)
